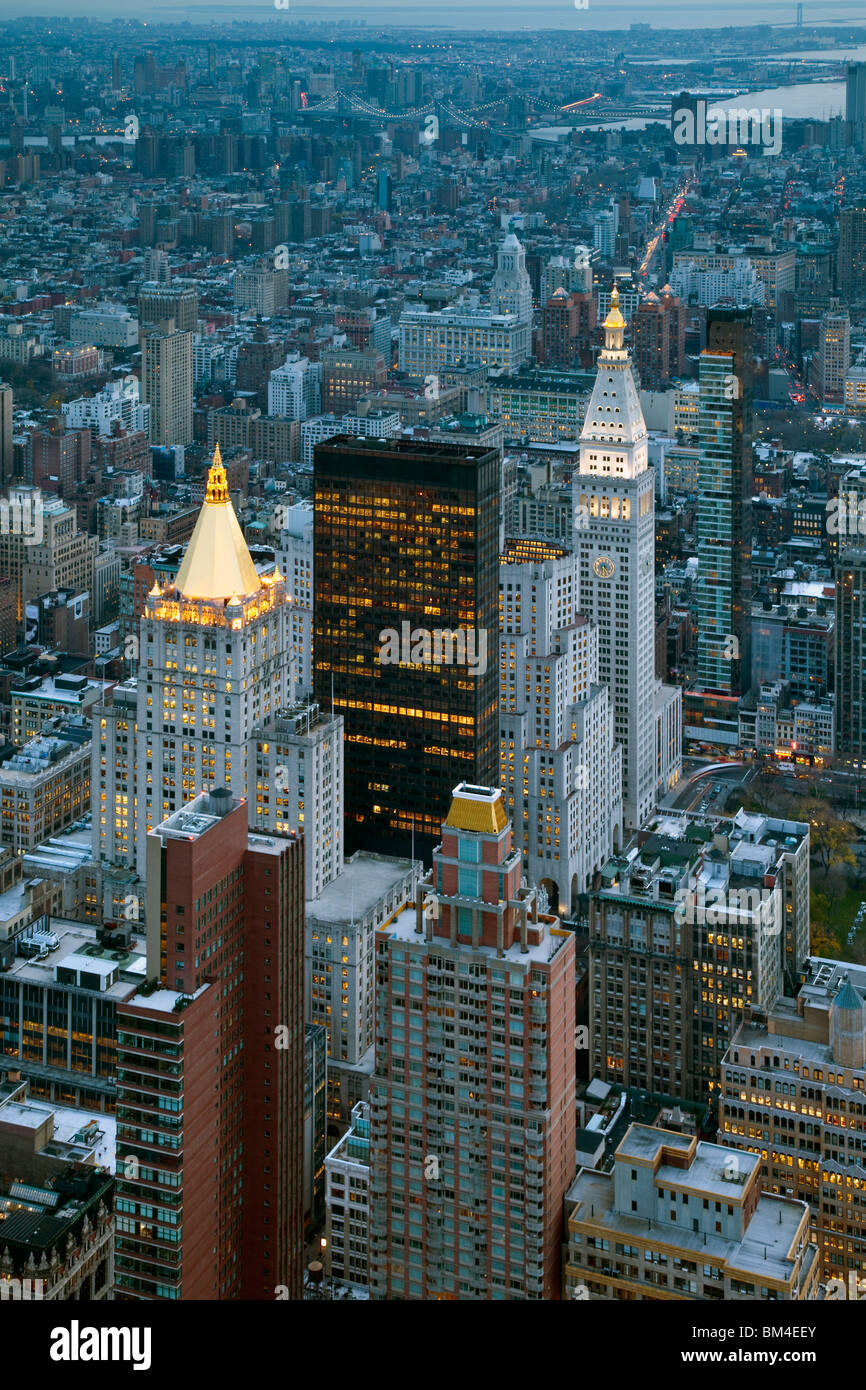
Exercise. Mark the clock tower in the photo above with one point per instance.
(614, 531)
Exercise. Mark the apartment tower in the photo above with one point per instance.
(725, 503)
(210, 1059)
(472, 1102)
(167, 384)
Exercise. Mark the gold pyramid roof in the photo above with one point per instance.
(217, 563)
(478, 809)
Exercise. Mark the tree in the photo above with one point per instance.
(822, 942)
(830, 836)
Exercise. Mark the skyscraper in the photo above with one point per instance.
(851, 272)
(855, 103)
(406, 572)
(383, 190)
(831, 362)
(615, 538)
(851, 652)
(511, 291)
(651, 336)
(214, 666)
(567, 330)
(157, 272)
(684, 935)
(211, 1066)
(167, 385)
(472, 1129)
(658, 329)
(725, 503)
(574, 275)
(559, 764)
(214, 703)
(7, 454)
(159, 302)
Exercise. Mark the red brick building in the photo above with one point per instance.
(659, 335)
(211, 1066)
(60, 459)
(568, 324)
(472, 1101)
(125, 450)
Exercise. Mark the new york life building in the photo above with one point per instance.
(472, 1104)
(214, 704)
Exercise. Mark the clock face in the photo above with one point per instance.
(603, 567)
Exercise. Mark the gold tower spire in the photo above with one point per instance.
(217, 479)
(614, 325)
(217, 563)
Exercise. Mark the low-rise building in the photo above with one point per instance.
(697, 921)
(431, 341)
(801, 731)
(679, 1218)
(35, 700)
(58, 1006)
(793, 1093)
(44, 787)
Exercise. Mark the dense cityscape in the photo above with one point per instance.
(432, 584)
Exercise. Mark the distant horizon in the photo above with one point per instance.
(600, 16)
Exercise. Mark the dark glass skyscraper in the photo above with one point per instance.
(851, 273)
(406, 626)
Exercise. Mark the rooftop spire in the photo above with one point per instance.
(217, 480)
(217, 563)
(614, 416)
(614, 324)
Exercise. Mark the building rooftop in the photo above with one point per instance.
(707, 1172)
(365, 880)
(60, 689)
(477, 809)
(167, 1001)
(63, 853)
(403, 928)
(38, 1218)
(78, 948)
(76, 1136)
(40, 755)
(197, 816)
(765, 1252)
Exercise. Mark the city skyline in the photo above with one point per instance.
(432, 677)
